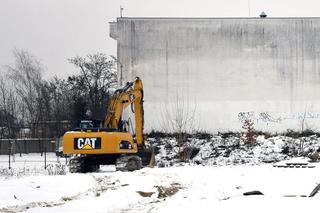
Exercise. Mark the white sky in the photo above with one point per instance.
(54, 30)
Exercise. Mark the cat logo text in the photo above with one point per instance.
(87, 143)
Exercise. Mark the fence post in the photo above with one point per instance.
(45, 157)
(13, 150)
(25, 146)
(40, 147)
(9, 149)
(18, 145)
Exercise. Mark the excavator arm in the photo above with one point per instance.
(130, 95)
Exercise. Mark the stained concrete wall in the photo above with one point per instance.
(225, 70)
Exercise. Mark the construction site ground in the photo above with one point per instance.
(27, 187)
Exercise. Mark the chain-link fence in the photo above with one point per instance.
(11, 147)
(30, 156)
(28, 145)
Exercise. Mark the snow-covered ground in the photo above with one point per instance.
(31, 164)
(182, 189)
(216, 179)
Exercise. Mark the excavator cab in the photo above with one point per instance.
(86, 124)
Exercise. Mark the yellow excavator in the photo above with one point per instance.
(119, 142)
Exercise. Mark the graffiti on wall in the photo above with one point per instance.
(267, 117)
(242, 116)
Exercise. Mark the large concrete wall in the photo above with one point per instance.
(226, 69)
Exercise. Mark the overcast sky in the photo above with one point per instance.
(54, 30)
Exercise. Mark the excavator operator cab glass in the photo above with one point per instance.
(86, 124)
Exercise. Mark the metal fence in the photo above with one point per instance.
(27, 145)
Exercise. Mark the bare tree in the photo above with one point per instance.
(98, 76)
(8, 110)
(180, 118)
(27, 80)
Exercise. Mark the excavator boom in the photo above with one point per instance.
(131, 94)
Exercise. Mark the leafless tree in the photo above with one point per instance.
(8, 110)
(33, 101)
(98, 76)
(27, 80)
(180, 118)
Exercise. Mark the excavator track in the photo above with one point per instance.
(82, 165)
(75, 165)
(128, 163)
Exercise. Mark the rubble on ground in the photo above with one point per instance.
(231, 150)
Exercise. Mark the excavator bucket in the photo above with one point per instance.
(152, 162)
(144, 158)
(147, 157)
